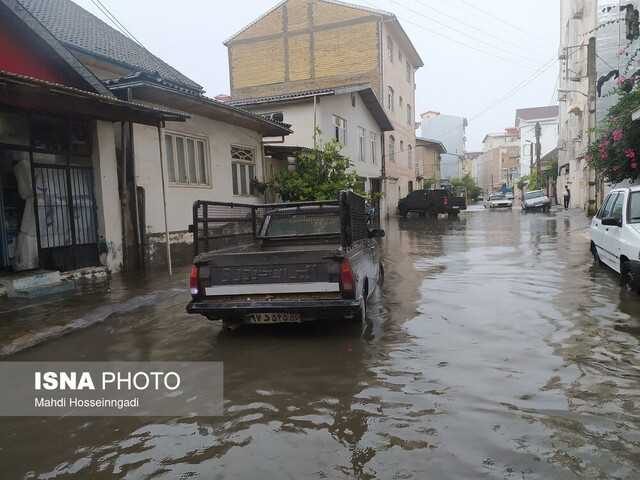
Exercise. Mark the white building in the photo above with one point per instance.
(353, 116)
(450, 130)
(526, 120)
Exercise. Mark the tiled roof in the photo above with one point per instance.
(279, 98)
(77, 28)
(537, 113)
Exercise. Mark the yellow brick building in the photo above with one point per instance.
(302, 45)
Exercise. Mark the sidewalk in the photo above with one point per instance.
(25, 323)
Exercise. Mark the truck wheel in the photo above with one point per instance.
(403, 213)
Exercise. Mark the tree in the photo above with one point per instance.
(319, 175)
(469, 184)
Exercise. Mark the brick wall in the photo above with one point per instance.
(303, 45)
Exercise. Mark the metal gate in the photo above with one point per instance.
(66, 216)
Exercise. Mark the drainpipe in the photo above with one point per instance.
(315, 123)
(164, 200)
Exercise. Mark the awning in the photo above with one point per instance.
(33, 94)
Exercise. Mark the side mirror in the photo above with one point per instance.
(376, 233)
(611, 222)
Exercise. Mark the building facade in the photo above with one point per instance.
(526, 121)
(214, 152)
(450, 130)
(303, 45)
(351, 116)
(428, 159)
(499, 164)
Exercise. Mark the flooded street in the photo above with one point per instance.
(496, 349)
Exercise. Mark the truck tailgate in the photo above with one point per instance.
(270, 273)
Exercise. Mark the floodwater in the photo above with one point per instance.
(496, 349)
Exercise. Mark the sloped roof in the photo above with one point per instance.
(77, 28)
(369, 99)
(536, 113)
(65, 55)
(431, 142)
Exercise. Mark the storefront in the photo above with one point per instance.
(59, 198)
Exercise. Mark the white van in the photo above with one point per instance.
(615, 234)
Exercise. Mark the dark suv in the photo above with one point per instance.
(431, 202)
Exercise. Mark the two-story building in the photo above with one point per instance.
(310, 45)
(526, 121)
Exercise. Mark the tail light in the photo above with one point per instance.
(446, 201)
(193, 281)
(346, 279)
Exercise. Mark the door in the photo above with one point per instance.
(611, 234)
(597, 229)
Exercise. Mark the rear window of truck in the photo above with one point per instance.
(302, 225)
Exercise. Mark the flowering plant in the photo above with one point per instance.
(615, 154)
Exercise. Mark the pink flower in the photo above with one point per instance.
(630, 153)
(617, 135)
(621, 79)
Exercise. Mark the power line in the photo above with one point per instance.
(114, 20)
(469, 25)
(491, 15)
(459, 31)
(538, 73)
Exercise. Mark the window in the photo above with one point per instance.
(607, 206)
(401, 146)
(392, 148)
(410, 156)
(401, 103)
(340, 129)
(409, 72)
(616, 211)
(390, 48)
(353, 100)
(187, 162)
(409, 115)
(399, 55)
(243, 169)
(373, 148)
(634, 208)
(390, 98)
(362, 144)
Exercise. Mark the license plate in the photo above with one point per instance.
(280, 317)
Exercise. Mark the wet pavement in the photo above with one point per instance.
(496, 349)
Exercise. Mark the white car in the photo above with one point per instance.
(498, 200)
(615, 234)
(536, 200)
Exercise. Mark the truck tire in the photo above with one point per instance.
(403, 213)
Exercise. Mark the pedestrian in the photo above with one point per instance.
(567, 196)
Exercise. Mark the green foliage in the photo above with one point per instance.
(614, 155)
(319, 175)
(469, 184)
(427, 183)
(534, 181)
(522, 182)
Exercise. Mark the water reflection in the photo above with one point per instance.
(495, 350)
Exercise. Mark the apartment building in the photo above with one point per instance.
(526, 121)
(451, 131)
(310, 45)
(499, 164)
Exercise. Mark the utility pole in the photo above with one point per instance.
(538, 151)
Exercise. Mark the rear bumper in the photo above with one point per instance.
(309, 309)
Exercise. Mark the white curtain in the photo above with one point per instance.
(26, 254)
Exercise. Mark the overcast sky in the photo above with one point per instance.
(475, 51)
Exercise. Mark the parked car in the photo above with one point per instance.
(284, 263)
(615, 234)
(432, 202)
(497, 200)
(536, 200)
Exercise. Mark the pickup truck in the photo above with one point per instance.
(284, 263)
(432, 202)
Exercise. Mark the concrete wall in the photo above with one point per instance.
(300, 116)
(394, 74)
(548, 141)
(302, 45)
(577, 18)
(107, 195)
(219, 137)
